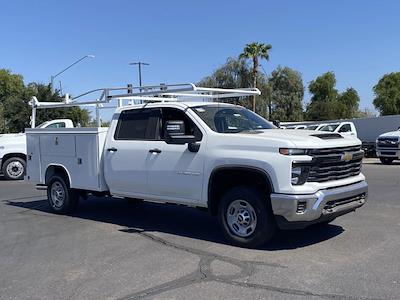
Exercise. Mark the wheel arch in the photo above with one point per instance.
(225, 177)
(59, 169)
(11, 155)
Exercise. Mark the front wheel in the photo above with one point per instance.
(386, 160)
(246, 217)
(14, 168)
(62, 199)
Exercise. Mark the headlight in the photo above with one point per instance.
(293, 151)
(299, 174)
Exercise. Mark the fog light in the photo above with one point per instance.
(301, 207)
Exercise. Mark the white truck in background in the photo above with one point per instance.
(346, 129)
(388, 147)
(368, 129)
(13, 150)
(216, 156)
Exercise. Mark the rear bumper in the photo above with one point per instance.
(299, 211)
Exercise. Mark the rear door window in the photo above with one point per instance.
(138, 124)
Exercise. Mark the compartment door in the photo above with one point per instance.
(33, 170)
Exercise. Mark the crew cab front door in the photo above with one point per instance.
(174, 172)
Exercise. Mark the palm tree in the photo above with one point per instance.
(254, 51)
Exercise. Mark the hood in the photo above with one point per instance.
(308, 139)
(12, 138)
(395, 133)
(11, 135)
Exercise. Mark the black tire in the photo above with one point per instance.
(14, 168)
(386, 160)
(61, 198)
(265, 222)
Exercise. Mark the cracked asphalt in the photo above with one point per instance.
(116, 249)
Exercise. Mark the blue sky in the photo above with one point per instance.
(186, 40)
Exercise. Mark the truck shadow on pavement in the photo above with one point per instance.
(140, 217)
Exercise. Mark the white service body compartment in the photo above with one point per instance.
(78, 150)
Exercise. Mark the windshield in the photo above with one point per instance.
(312, 127)
(231, 119)
(43, 125)
(329, 127)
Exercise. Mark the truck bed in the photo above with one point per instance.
(78, 150)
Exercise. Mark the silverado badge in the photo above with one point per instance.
(347, 156)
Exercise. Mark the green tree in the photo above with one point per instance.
(287, 93)
(323, 99)
(15, 111)
(387, 94)
(233, 74)
(10, 85)
(2, 120)
(255, 51)
(237, 74)
(326, 102)
(348, 104)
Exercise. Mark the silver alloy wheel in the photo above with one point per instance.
(57, 195)
(241, 218)
(15, 169)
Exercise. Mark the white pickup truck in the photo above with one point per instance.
(13, 150)
(218, 156)
(346, 129)
(388, 147)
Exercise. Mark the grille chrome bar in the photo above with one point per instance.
(329, 164)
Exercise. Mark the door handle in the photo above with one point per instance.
(112, 149)
(156, 150)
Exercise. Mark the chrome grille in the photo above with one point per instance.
(334, 164)
(388, 142)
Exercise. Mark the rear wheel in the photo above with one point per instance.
(246, 217)
(14, 168)
(386, 160)
(62, 199)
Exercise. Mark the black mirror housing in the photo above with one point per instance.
(174, 133)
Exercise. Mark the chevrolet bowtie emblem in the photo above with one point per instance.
(347, 156)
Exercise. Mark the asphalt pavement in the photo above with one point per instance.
(117, 249)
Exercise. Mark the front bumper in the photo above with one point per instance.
(388, 152)
(299, 211)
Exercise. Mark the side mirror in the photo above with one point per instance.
(277, 123)
(174, 133)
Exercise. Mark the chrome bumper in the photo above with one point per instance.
(388, 152)
(326, 204)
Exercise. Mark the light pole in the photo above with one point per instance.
(139, 64)
(71, 65)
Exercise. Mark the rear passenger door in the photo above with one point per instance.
(127, 152)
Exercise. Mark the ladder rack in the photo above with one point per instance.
(153, 93)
